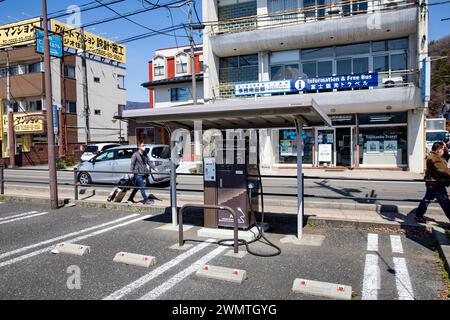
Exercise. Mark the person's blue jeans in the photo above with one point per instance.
(440, 194)
(140, 182)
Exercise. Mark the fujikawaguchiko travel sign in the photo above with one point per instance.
(308, 84)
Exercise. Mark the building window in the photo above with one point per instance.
(121, 79)
(279, 6)
(97, 112)
(288, 146)
(35, 105)
(182, 67)
(239, 69)
(179, 94)
(238, 10)
(69, 72)
(71, 106)
(159, 71)
(385, 146)
(35, 67)
(97, 79)
(285, 72)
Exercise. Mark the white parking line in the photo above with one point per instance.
(372, 242)
(158, 271)
(158, 291)
(7, 254)
(23, 218)
(396, 244)
(372, 281)
(18, 215)
(402, 280)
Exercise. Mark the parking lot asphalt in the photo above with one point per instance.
(376, 264)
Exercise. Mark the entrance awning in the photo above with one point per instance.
(264, 112)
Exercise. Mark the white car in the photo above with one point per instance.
(114, 163)
(95, 149)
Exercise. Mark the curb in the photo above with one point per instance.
(443, 246)
(30, 199)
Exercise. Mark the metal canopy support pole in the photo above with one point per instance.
(173, 185)
(298, 131)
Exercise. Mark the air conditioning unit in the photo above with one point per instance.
(392, 81)
(392, 3)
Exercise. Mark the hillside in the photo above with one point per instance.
(440, 74)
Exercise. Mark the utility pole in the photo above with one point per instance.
(11, 136)
(49, 108)
(87, 111)
(191, 39)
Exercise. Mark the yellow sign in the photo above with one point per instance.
(18, 33)
(94, 44)
(25, 123)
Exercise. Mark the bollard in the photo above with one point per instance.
(75, 182)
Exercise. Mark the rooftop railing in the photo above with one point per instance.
(334, 10)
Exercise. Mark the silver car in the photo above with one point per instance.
(114, 163)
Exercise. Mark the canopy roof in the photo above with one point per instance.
(262, 112)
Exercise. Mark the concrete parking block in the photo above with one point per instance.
(71, 248)
(176, 246)
(247, 235)
(222, 273)
(134, 259)
(240, 254)
(322, 289)
(171, 227)
(315, 240)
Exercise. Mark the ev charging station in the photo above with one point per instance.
(228, 181)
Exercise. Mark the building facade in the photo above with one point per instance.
(248, 43)
(169, 85)
(106, 96)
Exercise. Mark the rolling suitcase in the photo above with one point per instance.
(120, 191)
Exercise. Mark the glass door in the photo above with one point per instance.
(344, 147)
(325, 147)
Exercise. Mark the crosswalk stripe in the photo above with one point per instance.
(23, 218)
(42, 243)
(47, 249)
(402, 280)
(372, 242)
(18, 215)
(396, 244)
(158, 271)
(372, 281)
(158, 291)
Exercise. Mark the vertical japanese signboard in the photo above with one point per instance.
(18, 33)
(94, 44)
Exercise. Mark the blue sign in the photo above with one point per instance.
(55, 117)
(308, 84)
(56, 43)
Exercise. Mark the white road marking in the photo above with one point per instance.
(402, 280)
(37, 252)
(158, 271)
(372, 280)
(158, 291)
(372, 242)
(23, 218)
(18, 215)
(396, 244)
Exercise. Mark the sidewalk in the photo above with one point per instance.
(332, 211)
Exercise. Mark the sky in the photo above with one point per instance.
(141, 51)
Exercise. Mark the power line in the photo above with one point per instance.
(130, 20)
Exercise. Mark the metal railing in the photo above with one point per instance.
(307, 14)
(76, 184)
(206, 206)
(386, 79)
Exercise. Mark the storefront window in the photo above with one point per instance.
(288, 146)
(383, 146)
(145, 134)
(383, 118)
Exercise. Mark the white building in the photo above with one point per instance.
(374, 126)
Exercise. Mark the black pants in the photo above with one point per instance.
(440, 194)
